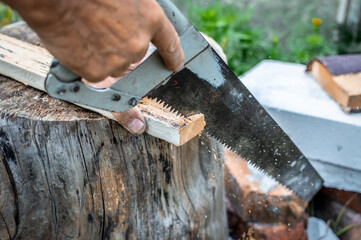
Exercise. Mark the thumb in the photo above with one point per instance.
(132, 120)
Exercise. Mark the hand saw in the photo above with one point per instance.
(205, 85)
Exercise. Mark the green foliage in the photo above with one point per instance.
(336, 224)
(245, 45)
(247, 38)
(7, 15)
(231, 29)
(312, 45)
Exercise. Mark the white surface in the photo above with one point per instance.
(287, 86)
(317, 229)
(329, 137)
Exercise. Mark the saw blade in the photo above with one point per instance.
(236, 119)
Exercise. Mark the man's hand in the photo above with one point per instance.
(101, 38)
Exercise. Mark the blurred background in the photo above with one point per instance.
(250, 31)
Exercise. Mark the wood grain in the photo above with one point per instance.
(8, 208)
(29, 64)
(340, 81)
(79, 175)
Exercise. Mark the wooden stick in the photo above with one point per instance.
(29, 64)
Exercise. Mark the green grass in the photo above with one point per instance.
(337, 229)
(249, 33)
(335, 224)
(231, 30)
(7, 15)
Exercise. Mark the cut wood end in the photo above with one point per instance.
(344, 88)
(192, 127)
(327, 82)
(29, 64)
(180, 127)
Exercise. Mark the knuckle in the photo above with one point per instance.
(156, 17)
(115, 66)
(95, 74)
(119, 71)
(139, 47)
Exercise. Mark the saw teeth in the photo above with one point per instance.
(173, 110)
(220, 141)
(151, 97)
(250, 162)
(178, 114)
(168, 107)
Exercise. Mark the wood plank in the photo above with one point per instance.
(340, 77)
(67, 173)
(29, 64)
(307, 114)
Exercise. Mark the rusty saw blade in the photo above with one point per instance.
(205, 85)
(236, 119)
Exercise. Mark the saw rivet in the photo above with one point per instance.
(61, 91)
(75, 88)
(133, 101)
(116, 97)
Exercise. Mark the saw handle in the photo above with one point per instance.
(122, 95)
(175, 16)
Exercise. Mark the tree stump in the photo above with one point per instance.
(68, 173)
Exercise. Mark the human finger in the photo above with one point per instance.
(167, 41)
(132, 120)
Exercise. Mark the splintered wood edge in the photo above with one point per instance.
(179, 128)
(29, 64)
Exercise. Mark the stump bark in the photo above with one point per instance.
(68, 173)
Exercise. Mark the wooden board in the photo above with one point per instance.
(69, 173)
(340, 77)
(29, 64)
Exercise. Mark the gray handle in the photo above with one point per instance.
(179, 21)
(63, 84)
